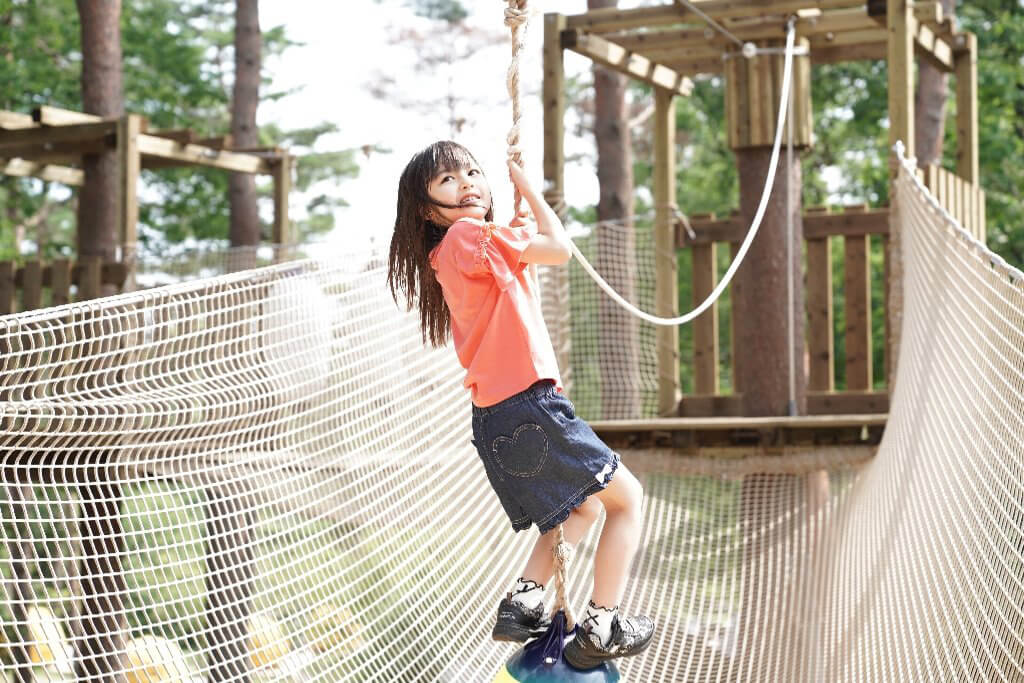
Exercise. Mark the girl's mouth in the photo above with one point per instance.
(470, 200)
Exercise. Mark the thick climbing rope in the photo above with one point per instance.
(517, 16)
(751, 233)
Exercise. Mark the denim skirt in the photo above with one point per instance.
(540, 458)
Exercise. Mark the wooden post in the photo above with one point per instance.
(819, 315)
(705, 327)
(898, 19)
(666, 288)
(31, 286)
(129, 161)
(282, 175)
(966, 64)
(857, 288)
(7, 272)
(554, 175)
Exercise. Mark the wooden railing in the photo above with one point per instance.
(964, 200)
(855, 225)
(41, 284)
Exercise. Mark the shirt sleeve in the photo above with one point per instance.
(493, 250)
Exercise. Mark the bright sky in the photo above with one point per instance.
(346, 48)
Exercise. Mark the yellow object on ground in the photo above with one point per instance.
(335, 627)
(48, 644)
(152, 659)
(267, 641)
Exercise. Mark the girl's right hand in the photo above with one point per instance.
(518, 178)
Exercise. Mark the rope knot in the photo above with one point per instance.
(516, 17)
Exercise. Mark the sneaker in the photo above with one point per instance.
(517, 624)
(630, 636)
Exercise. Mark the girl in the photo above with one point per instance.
(469, 277)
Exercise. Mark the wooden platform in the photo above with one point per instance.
(762, 433)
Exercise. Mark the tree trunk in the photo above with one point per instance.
(101, 95)
(930, 108)
(245, 221)
(615, 244)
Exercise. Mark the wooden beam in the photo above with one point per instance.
(819, 225)
(620, 59)
(554, 109)
(849, 53)
(50, 172)
(901, 128)
(282, 190)
(12, 120)
(54, 116)
(151, 146)
(48, 136)
(129, 165)
(933, 48)
(967, 109)
(666, 286)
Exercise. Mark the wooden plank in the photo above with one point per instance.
(666, 287)
(847, 402)
(12, 120)
(870, 418)
(966, 67)
(31, 137)
(201, 156)
(857, 291)
(711, 406)
(620, 59)
(60, 282)
(43, 171)
(849, 223)
(31, 285)
(820, 341)
(7, 272)
(849, 53)
(705, 327)
(55, 116)
(932, 47)
(282, 190)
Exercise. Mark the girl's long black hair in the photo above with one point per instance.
(417, 233)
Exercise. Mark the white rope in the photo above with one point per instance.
(751, 233)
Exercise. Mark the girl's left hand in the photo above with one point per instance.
(522, 218)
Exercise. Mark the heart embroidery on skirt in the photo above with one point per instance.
(524, 454)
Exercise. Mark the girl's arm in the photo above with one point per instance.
(550, 246)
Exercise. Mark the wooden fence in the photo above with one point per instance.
(40, 284)
(964, 200)
(855, 225)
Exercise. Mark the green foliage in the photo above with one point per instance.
(178, 71)
(999, 25)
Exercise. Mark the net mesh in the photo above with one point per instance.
(265, 476)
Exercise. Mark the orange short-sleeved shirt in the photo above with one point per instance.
(497, 325)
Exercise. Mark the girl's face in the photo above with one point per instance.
(465, 188)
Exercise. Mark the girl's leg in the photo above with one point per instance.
(615, 549)
(619, 538)
(541, 564)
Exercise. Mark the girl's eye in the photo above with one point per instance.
(474, 172)
(447, 178)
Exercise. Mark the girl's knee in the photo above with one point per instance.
(588, 510)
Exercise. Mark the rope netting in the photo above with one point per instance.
(265, 476)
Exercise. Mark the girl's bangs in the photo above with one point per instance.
(450, 156)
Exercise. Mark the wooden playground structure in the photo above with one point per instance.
(663, 47)
(50, 143)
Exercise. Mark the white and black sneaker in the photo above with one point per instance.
(630, 636)
(517, 623)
